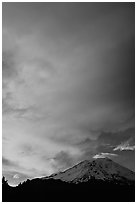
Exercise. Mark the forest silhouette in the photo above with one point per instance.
(52, 190)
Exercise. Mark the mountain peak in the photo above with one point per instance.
(98, 169)
(99, 175)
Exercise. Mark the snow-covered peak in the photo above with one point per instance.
(102, 168)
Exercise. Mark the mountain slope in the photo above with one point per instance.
(103, 169)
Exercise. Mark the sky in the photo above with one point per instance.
(68, 86)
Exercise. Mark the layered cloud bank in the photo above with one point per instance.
(68, 84)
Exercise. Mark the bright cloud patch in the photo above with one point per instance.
(103, 155)
(16, 176)
(124, 146)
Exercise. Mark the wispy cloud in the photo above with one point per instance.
(124, 146)
(104, 155)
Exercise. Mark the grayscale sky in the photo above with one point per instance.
(68, 86)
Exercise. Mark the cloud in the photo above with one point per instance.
(10, 57)
(9, 109)
(68, 91)
(63, 160)
(7, 162)
(8, 65)
(105, 142)
(114, 138)
(16, 176)
(104, 155)
(124, 146)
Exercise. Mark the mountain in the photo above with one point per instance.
(102, 168)
(97, 180)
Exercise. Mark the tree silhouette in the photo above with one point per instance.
(57, 191)
(4, 181)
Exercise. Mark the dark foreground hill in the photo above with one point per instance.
(93, 181)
